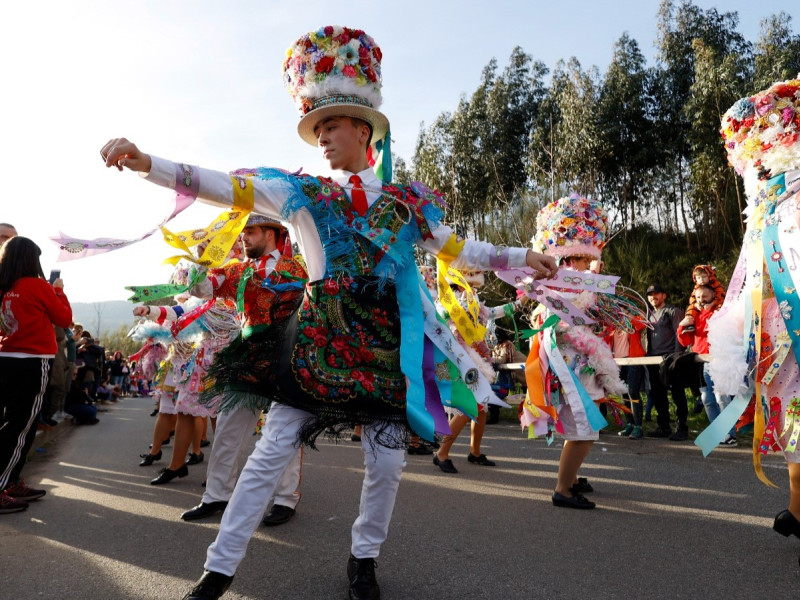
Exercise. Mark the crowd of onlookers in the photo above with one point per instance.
(86, 377)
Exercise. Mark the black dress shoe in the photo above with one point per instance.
(167, 475)
(420, 449)
(203, 510)
(480, 460)
(576, 501)
(445, 465)
(582, 487)
(210, 586)
(361, 575)
(149, 459)
(786, 524)
(154, 412)
(204, 443)
(278, 515)
(195, 459)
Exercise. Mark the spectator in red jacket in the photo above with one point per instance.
(707, 303)
(29, 307)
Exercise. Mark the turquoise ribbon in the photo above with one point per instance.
(712, 435)
(782, 284)
(412, 336)
(595, 418)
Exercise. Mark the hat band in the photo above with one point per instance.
(338, 99)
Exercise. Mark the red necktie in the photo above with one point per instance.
(358, 196)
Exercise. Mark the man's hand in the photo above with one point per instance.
(119, 153)
(544, 265)
(140, 311)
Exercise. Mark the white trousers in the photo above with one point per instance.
(260, 476)
(234, 430)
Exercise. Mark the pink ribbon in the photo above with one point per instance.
(186, 186)
(548, 291)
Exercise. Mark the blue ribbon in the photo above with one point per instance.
(412, 337)
(712, 435)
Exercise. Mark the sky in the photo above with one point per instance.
(199, 82)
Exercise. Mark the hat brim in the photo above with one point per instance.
(379, 122)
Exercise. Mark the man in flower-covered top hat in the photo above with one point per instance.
(365, 333)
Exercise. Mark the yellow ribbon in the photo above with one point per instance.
(755, 261)
(221, 234)
(466, 320)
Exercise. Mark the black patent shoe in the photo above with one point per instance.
(576, 501)
(195, 459)
(278, 515)
(582, 487)
(786, 524)
(203, 510)
(210, 586)
(167, 475)
(149, 459)
(361, 576)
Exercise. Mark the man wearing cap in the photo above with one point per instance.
(354, 350)
(662, 340)
(262, 237)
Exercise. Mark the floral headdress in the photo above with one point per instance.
(573, 226)
(761, 131)
(335, 71)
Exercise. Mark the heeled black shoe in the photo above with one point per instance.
(167, 475)
(786, 524)
(149, 459)
(194, 459)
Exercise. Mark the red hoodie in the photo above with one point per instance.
(699, 337)
(29, 310)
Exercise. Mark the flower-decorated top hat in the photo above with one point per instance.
(573, 226)
(335, 71)
(762, 133)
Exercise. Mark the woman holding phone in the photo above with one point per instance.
(29, 307)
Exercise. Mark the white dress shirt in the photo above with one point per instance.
(270, 196)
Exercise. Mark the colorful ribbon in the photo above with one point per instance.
(466, 316)
(546, 291)
(792, 423)
(221, 234)
(73, 248)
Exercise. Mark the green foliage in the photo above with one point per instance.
(118, 340)
(642, 139)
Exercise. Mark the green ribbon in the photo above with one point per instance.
(550, 322)
(143, 293)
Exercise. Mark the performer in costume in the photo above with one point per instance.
(180, 376)
(355, 350)
(576, 367)
(254, 285)
(198, 330)
(754, 337)
(462, 286)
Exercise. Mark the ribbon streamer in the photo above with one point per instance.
(75, 248)
(546, 291)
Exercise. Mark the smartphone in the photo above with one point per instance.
(54, 274)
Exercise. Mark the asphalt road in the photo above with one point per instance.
(669, 524)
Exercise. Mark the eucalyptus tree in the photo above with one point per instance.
(628, 131)
(683, 127)
(777, 52)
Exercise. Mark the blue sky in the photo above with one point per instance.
(199, 81)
